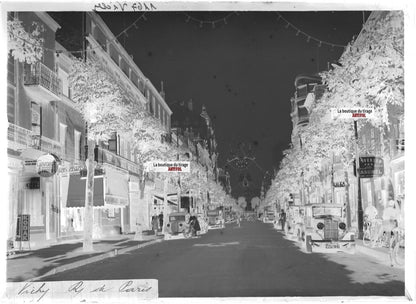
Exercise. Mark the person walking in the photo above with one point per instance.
(282, 219)
(155, 224)
(161, 221)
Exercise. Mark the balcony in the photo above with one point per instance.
(106, 157)
(31, 145)
(42, 83)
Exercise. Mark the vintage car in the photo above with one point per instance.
(294, 225)
(268, 215)
(324, 229)
(177, 223)
(215, 219)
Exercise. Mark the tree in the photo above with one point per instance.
(24, 46)
(101, 102)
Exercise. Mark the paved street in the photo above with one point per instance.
(253, 260)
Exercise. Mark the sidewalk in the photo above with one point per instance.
(379, 253)
(35, 264)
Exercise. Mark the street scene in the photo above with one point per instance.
(222, 153)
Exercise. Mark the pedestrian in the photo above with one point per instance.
(282, 219)
(161, 220)
(155, 224)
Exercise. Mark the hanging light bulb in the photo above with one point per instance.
(187, 19)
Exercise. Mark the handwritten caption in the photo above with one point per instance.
(122, 6)
(83, 290)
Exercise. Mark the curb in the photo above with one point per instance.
(97, 258)
(382, 257)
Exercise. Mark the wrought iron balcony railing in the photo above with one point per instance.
(20, 138)
(39, 74)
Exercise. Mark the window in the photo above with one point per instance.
(64, 79)
(62, 137)
(11, 103)
(77, 144)
(112, 143)
(36, 119)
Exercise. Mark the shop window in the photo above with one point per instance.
(110, 213)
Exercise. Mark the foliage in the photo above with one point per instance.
(369, 74)
(24, 46)
(100, 100)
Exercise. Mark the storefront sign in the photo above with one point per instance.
(46, 165)
(163, 167)
(352, 113)
(98, 172)
(370, 166)
(340, 184)
(23, 228)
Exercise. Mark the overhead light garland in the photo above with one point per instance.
(213, 23)
(308, 37)
(57, 52)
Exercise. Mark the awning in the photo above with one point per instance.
(117, 187)
(76, 192)
(161, 198)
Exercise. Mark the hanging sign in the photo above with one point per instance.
(163, 167)
(23, 228)
(46, 165)
(370, 166)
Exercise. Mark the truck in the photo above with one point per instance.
(324, 229)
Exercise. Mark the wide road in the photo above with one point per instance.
(254, 260)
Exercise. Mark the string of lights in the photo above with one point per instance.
(308, 37)
(209, 22)
(123, 32)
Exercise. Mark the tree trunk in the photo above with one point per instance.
(89, 199)
(165, 203)
(347, 199)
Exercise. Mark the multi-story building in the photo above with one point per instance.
(41, 122)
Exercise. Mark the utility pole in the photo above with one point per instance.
(360, 212)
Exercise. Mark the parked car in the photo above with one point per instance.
(325, 229)
(177, 223)
(268, 215)
(215, 219)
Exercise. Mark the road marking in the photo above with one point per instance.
(216, 245)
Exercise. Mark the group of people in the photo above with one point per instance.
(391, 219)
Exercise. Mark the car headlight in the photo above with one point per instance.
(342, 226)
(320, 226)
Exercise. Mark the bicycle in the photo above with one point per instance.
(371, 229)
(397, 247)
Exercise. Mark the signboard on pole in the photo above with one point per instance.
(165, 167)
(370, 166)
(352, 113)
